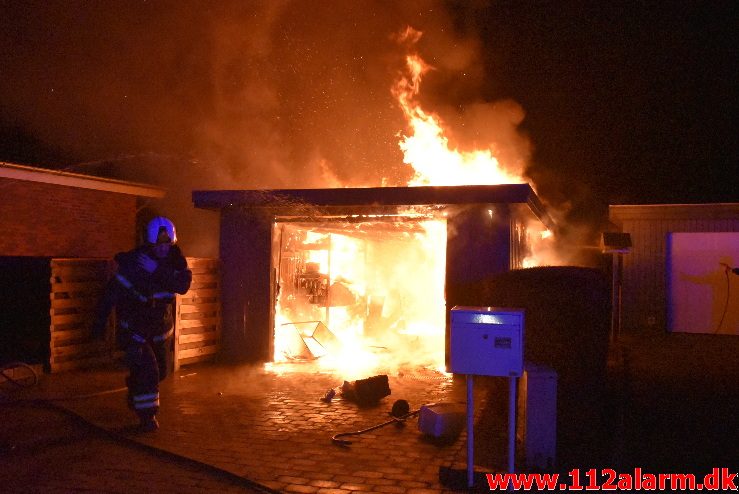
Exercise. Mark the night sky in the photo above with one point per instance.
(603, 102)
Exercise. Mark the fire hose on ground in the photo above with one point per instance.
(19, 382)
(29, 377)
(400, 413)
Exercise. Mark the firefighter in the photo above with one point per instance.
(142, 290)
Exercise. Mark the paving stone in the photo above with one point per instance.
(389, 488)
(408, 484)
(292, 480)
(47, 450)
(269, 426)
(356, 487)
(307, 489)
(368, 474)
(380, 481)
(324, 483)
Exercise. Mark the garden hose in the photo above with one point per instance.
(400, 413)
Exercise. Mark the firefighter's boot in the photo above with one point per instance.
(148, 424)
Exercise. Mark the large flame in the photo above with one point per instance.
(427, 148)
(367, 300)
(371, 299)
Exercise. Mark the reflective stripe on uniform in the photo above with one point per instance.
(128, 285)
(144, 401)
(144, 406)
(145, 397)
(123, 281)
(162, 295)
(158, 338)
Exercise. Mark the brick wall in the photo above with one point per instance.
(39, 219)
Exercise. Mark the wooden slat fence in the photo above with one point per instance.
(76, 288)
(198, 314)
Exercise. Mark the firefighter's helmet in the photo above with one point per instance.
(161, 230)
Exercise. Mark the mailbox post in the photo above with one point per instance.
(487, 341)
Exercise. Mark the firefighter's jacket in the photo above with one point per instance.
(143, 300)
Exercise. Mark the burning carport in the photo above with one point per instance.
(335, 264)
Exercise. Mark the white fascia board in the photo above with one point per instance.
(31, 174)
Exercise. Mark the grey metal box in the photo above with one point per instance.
(537, 416)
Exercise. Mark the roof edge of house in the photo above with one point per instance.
(69, 179)
(717, 210)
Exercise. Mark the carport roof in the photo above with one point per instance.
(369, 200)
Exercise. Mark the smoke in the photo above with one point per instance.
(195, 95)
(578, 223)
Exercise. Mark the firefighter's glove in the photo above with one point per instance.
(147, 263)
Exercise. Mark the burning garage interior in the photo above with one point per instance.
(362, 278)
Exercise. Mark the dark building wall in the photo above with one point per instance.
(644, 290)
(25, 316)
(247, 297)
(478, 247)
(39, 219)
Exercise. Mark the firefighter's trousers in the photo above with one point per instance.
(148, 364)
